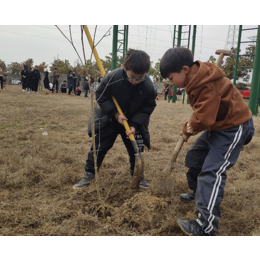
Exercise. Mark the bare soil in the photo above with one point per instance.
(37, 173)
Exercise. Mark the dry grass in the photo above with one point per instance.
(37, 173)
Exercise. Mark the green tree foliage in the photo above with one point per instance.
(241, 85)
(62, 66)
(212, 59)
(107, 63)
(14, 68)
(42, 67)
(91, 68)
(77, 68)
(28, 62)
(155, 72)
(244, 61)
(3, 66)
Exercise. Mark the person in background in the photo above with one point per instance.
(78, 78)
(30, 81)
(167, 91)
(171, 94)
(63, 87)
(55, 76)
(77, 91)
(92, 88)
(46, 81)
(37, 78)
(86, 87)
(74, 81)
(100, 78)
(4, 79)
(24, 74)
(1, 78)
(91, 80)
(70, 82)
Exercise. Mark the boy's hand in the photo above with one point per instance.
(185, 137)
(132, 131)
(120, 118)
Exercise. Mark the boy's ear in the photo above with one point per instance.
(124, 68)
(186, 69)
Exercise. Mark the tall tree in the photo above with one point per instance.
(62, 66)
(42, 67)
(244, 62)
(107, 63)
(3, 66)
(28, 62)
(155, 72)
(14, 69)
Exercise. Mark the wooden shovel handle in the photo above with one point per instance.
(127, 128)
(181, 140)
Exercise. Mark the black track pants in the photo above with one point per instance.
(24, 83)
(105, 140)
(55, 86)
(208, 159)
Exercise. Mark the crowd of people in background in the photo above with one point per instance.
(30, 80)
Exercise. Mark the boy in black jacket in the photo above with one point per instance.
(135, 95)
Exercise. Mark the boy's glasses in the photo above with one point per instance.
(133, 79)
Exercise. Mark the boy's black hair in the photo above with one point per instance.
(138, 61)
(174, 59)
(64, 80)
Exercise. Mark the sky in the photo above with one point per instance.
(29, 31)
(44, 43)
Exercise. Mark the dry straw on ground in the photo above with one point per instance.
(37, 173)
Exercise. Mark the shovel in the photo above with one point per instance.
(139, 162)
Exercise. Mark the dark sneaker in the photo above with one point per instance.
(192, 227)
(144, 184)
(187, 196)
(86, 180)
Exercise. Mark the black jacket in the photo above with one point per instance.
(86, 86)
(70, 81)
(46, 80)
(74, 80)
(24, 73)
(30, 79)
(136, 101)
(37, 75)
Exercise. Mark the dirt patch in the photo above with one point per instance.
(37, 173)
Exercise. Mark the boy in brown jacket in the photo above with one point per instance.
(219, 111)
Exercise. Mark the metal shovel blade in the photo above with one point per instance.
(138, 170)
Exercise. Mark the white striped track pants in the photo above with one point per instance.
(208, 159)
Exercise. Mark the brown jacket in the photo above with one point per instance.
(216, 102)
(55, 75)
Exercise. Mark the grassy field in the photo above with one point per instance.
(37, 173)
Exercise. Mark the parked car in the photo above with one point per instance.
(16, 82)
(245, 92)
